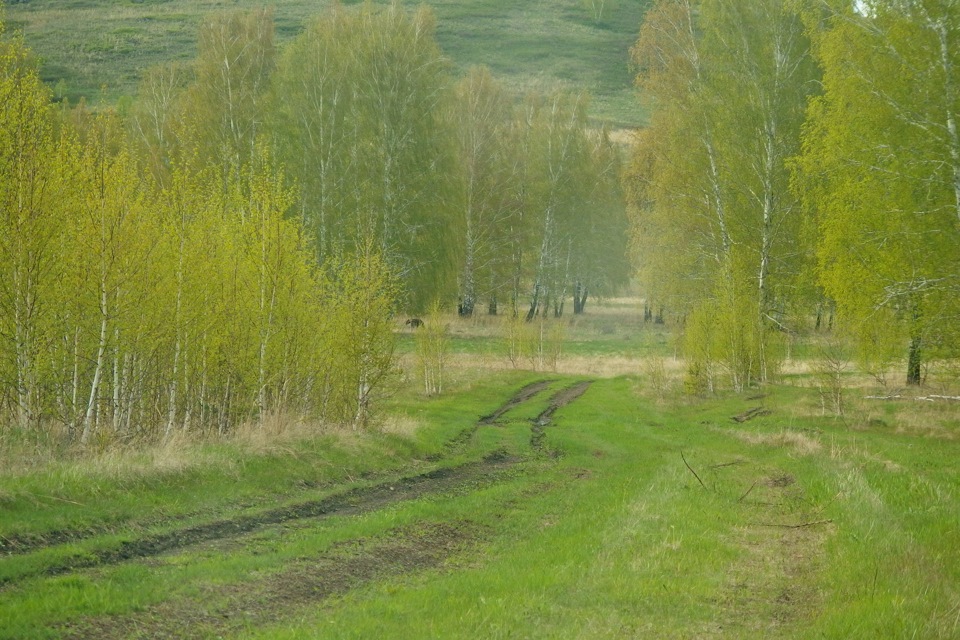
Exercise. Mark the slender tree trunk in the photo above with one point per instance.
(117, 381)
(23, 337)
(579, 298)
(534, 302)
(177, 312)
(468, 295)
(172, 394)
(98, 370)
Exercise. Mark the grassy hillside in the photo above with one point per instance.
(99, 48)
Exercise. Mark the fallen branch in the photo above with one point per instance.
(748, 491)
(793, 526)
(929, 398)
(692, 471)
(751, 414)
(726, 464)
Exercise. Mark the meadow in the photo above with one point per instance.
(585, 497)
(99, 49)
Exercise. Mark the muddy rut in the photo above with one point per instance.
(221, 609)
(355, 501)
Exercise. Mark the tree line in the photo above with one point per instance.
(465, 188)
(236, 241)
(802, 158)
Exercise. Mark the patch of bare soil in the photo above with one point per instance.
(464, 437)
(264, 599)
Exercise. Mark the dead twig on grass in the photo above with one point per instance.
(756, 412)
(691, 470)
(792, 526)
(748, 491)
(726, 464)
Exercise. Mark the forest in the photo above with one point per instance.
(237, 241)
(802, 165)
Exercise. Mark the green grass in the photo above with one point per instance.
(98, 49)
(804, 526)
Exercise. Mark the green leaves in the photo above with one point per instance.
(240, 244)
(362, 120)
(709, 185)
(879, 171)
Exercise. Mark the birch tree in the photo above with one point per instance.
(363, 121)
(483, 113)
(33, 165)
(558, 154)
(729, 83)
(225, 102)
(114, 247)
(881, 171)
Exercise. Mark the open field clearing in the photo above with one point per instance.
(519, 503)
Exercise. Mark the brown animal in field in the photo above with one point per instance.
(414, 323)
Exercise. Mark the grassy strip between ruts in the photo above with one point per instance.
(634, 519)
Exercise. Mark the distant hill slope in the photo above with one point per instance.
(100, 47)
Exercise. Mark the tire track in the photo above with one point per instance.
(559, 400)
(354, 501)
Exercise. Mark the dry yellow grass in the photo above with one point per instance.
(799, 441)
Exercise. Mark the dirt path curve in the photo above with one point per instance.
(360, 500)
(519, 398)
(354, 501)
(19, 545)
(308, 581)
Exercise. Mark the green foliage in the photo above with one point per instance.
(168, 278)
(360, 104)
(537, 344)
(569, 196)
(224, 106)
(716, 230)
(34, 173)
(831, 364)
(489, 173)
(725, 336)
(358, 350)
(881, 177)
(174, 294)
